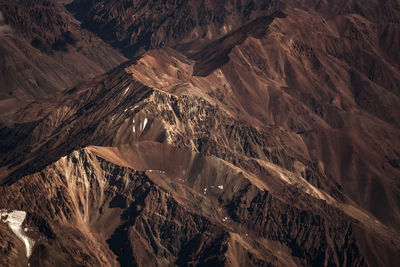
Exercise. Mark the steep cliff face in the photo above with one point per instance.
(275, 142)
(200, 210)
(198, 184)
(302, 83)
(45, 130)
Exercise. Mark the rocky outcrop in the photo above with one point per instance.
(275, 142)
(116, 214)
(133, 26)
(57, 124)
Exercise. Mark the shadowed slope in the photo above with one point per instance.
(277, 145)
(43, 50)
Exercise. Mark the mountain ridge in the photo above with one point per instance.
(275, 142)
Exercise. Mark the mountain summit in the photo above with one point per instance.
(234, 133)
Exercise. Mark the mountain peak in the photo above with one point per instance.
(234, 133)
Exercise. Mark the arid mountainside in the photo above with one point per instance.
(273, 142)
(196, 210)
(43, 50)
(135, 26)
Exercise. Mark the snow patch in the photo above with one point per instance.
(126, 90)
(144, 123)
(14, 219)
(156, 171)
(134, 128)
(225, 219)
(221, 187)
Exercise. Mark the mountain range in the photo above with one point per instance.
(200, 133)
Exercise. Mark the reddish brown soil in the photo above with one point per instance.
(275, 142)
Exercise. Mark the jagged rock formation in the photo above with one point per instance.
(274, 143)
(211, 213)
(136, 25)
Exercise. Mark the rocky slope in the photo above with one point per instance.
(241, 168)
(275, 143)
(134, 26)
(43, 50)
(202, 211)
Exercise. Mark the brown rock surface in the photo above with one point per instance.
(162, 217)
(43, 50)
(273, 143)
